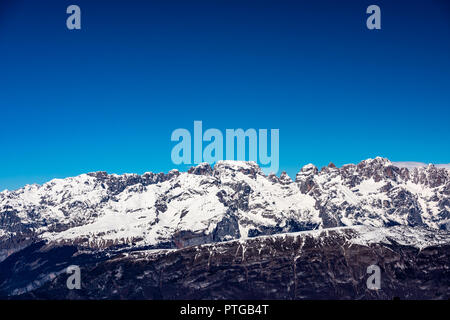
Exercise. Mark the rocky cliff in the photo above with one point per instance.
(328, 264)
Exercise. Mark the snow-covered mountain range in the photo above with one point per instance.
(233, 200)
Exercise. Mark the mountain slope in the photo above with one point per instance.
(320, 264)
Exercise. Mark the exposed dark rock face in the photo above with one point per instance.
(227, 228)
(305, 178)
(404, 203)
(203, 169)
(319, 265)
(329, 217)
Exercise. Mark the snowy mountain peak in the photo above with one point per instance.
(308, 168)
(201, 169)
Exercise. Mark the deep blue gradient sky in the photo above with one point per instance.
(108, 97)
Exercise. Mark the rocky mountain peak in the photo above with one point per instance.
(284, 178)
(203, 169)
(248, 168)
(306, 172)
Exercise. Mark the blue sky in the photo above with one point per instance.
(108, 96)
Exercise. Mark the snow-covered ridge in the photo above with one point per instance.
(413, 164)
(233, 200)
(419, 238)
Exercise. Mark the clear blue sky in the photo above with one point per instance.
(107, 97)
